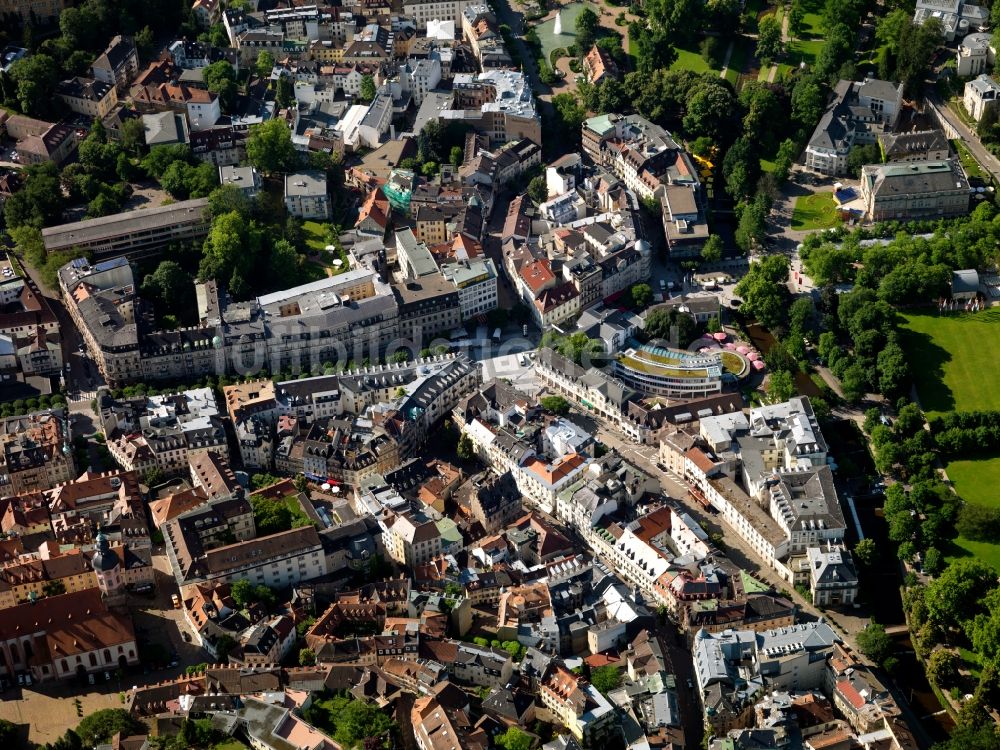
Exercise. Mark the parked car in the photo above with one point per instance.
(186, 636)
(176, 601)
(90, 679)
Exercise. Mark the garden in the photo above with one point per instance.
(815, 211)
(954, 371)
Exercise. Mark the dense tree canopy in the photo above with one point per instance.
(763, 290)
(101, 726)
(270, 148)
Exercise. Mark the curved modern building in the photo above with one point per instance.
(670, 372)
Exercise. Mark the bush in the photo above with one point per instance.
(555, 404)
(711, 51)
(979, 523)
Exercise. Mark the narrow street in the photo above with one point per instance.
(986, 159)
(644, 456)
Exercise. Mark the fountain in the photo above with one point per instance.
(558, 28)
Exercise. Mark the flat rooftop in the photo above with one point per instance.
(116, 225)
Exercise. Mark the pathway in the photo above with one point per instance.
(725, 60)
(785, 39)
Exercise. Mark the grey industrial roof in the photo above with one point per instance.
(311, 183)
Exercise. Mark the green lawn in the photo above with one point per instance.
(688, 60)
(972, 661)
(953, 361)
(816, 211)
(766, 166)
(969, 163)
(315, 233)
(955, 370)
(803, 51)
(737, 60)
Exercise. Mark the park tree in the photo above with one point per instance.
(866, 552)
(368, 91)
(537, 190)
(893, 369)
(982, 736)
(35, 78)
(960, 592)
(9, 734)
(220, 78)
(284, 265)
(570, 115)
(780, 386)
(514, 739)
(264, 64)
(724, 16)
(465, 450)
(769, 45)
(670, 325)
(231, 252)
(144, 41)
(555, 404)
(307, 657)
(169, 286)
(642, 295)
(915, 46)
(612, 96)
(606, 678)
(69, 740)
(764, 291)
(155, 163)
(712, 250)
(586, 26)
(836, 50)
(270, 147)
(99, 727)
(875, 643)
(854, 382)
(766, 106)
(796, 19)
(676, 20)
(934, 561)
(859, 155)
(710, 110)
(741, 169)
(808, 101)
(227, 199)
(284, 91)
(40, 202)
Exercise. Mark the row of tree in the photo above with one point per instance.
(903, 264)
